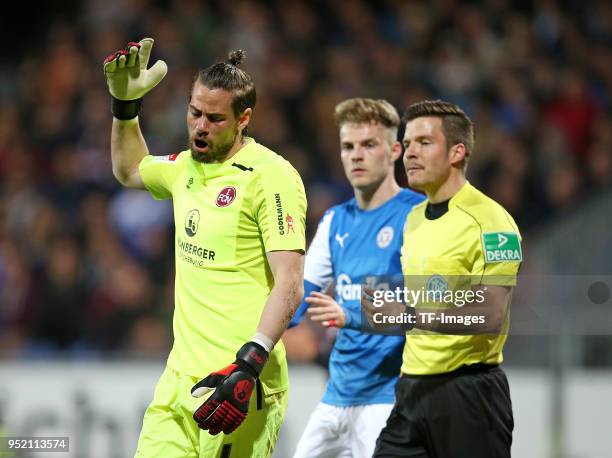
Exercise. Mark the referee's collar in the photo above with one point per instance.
(461, 195)
(437, 210)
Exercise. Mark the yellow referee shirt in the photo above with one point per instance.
(476, 237)
(227, 216)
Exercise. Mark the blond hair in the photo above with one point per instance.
(364, 111)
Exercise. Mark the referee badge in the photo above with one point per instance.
(437, 283)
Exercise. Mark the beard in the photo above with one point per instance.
(215, 153)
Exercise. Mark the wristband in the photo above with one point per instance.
(125, 109)
(264, 341)
(252, 357)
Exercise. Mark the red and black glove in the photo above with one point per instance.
(227, 407)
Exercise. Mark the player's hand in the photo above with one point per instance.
(371, 306)
(326, 310)
(233, 385)
(367, 304)
(126, 71)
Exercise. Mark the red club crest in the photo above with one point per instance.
(242, 390)
(226, 196)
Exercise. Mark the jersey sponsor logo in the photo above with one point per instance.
(192, 221)
(289, 221)
(384, 237)
(501, 247)
(189, 183)
(346, 290)
(187, 250)
(226, 196)
(280, 220)
(167, 158)
(340, 239)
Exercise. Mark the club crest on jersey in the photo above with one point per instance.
(226, 196)
(384, 237)
(192, 222)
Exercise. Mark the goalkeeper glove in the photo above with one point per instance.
(227, 407)
(129, 79)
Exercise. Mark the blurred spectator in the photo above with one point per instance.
(58, 311)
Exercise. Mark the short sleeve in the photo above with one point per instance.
(318, 265)
(158, 174)
(280, 207)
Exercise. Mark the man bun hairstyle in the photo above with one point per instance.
(227, 76)
(235, 57)
(457, 127)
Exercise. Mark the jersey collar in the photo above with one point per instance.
(212, 169)
(380, 207)
(243, 153)
(461, 195)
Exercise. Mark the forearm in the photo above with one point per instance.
(280, 307)
(303, 306)
(128, 148)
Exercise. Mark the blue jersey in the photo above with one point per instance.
(351, 244)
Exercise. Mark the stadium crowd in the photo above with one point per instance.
(86, 268)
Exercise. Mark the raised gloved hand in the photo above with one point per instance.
(129, 79)
(227, 407)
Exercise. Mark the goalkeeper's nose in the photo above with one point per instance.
(202, 126)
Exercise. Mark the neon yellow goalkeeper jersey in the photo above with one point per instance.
(227, 216)
(477, 242)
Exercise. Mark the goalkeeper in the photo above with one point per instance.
(239, 214)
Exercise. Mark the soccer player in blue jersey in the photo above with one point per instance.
(358, 238)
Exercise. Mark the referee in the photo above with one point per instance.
(453, 399)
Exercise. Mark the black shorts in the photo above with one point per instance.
(466, 413)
